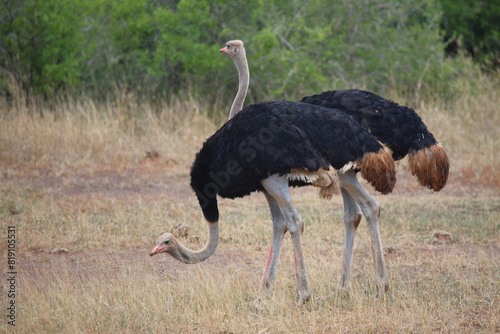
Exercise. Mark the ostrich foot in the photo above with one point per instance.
(325, 298)
(343, 292)
(303, 298)
(343, 288)
(382, 290)
(256, 306)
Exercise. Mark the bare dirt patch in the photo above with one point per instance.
(146, 180)
(152, 179)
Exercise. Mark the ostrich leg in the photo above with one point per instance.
(371, 210)
(352, 217)
(277, 187)
(279, 230)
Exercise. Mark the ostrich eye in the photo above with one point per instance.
(167, 242)
(228, 46)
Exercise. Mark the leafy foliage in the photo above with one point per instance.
(157, 47)
(474, 27)
(41, 43)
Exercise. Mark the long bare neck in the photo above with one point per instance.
(244, 78)
(188, 256)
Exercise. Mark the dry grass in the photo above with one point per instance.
(81, 133)
(79, 178)
(467, 127)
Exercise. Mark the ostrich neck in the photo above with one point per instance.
(244, 78)
(188, 256)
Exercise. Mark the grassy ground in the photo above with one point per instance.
(86, 178)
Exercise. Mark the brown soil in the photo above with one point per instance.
(169, 179)
(146, 179)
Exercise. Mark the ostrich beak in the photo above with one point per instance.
(223, 50)
(156, 250)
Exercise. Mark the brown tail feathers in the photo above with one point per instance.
(378, 169)
(431, 166)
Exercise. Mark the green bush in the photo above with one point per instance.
(157, 48)
(473, 27)
(41, 43)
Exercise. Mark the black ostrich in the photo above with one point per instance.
(268, 146)
(402, 131)
(398, 127)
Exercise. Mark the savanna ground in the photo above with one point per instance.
(103, 181)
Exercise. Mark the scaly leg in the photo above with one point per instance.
(352, 217)
(371, 210)
(277, 187)
(279, 230)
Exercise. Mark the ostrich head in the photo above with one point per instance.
(234, 49)
(168, 243)
(165, 243)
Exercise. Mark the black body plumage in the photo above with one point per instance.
(398, 127)
(269, 138)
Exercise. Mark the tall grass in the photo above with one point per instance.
(75, 132)
(111, 284)
(121, 129)
(53, 156)
(210, 300)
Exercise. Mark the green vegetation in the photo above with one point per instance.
(473, 27)
(60, 48)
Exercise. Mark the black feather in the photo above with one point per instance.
(398, 127)
(272, 138)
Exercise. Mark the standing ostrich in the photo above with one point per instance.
(398, 127)
(269, 145)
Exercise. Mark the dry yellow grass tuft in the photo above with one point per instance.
(83, 133)
(79, 177)
(467, 127)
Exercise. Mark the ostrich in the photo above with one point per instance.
(268, 146)
(398, 127)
